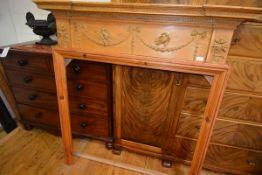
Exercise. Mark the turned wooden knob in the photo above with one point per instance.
(76, 69)
(33, 97)
(79, 87)
(38, 115)
(82, 106)
(84, 124)
(22, 62)
(28, 79)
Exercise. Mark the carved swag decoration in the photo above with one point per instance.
(162, 43)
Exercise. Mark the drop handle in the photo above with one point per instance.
(28, 79)
(79, 87)
(33, 97)
(76, 69)
(22, 62)
(82, 106)
(38, 115)
(84, 125)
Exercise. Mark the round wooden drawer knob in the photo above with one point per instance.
(76, 69)
(22, 62)
(79, 87)
(28, 79)
(33, 97)
(84, 125)
(82, 106)
(38, 115)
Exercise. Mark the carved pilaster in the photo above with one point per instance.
(63, 33)
(219, 46)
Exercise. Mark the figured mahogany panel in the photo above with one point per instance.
(225, 132)
(195, 100)
(247, 40)
(246, 74)
(146, 96)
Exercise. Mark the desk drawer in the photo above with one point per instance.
(31, 80)
(36, 98)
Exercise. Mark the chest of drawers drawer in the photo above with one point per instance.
(39, 115)
(33, 62)
(234, 105)
(82, 88)
(85, 107)
(89, 71)
(225, 132)
(246, 74)
(91, 125)
(35, 98)
(31, 80)
(247, 41)
(241, 107)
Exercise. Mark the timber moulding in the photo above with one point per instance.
(180, 38)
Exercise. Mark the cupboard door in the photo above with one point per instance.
(149, 100)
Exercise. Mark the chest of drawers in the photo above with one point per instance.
(30, 74)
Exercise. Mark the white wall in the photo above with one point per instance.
(12, 21)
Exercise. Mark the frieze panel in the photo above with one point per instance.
(152, 40)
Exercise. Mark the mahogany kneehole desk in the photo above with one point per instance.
(139, 40)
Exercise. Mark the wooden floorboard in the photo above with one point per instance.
(37, 152)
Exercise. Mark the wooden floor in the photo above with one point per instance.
(37, 152)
